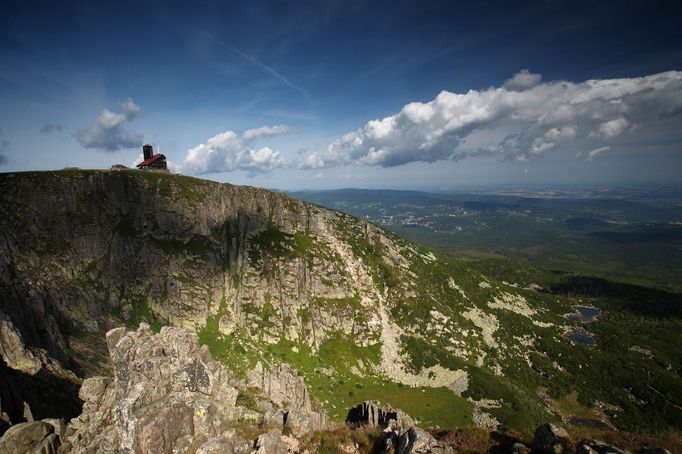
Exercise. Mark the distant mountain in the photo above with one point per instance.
(629, 239)
(360, 312)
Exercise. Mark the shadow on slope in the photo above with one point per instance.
(47, 395)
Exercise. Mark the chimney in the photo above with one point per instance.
(147, 151)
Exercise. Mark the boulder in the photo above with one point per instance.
(520, 448)
(585, 449)
(34, 437)
(167, 395)
(271, 443)
(59, 425)
(599, 447)
(305, 422)
(549, 438)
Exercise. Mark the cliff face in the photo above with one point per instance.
(265, 278)
(81, 246)
(249, 269)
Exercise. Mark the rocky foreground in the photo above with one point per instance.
(168, 395)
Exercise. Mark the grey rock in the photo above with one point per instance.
(58, 424)
(93, 388)
(29, 437)
(113, 336)
(271, 443)
(585, 449)
(303, 422)
(227, 443)
(600, 447)
(549, 438)
(28, 414)
(283, 385)
(520, 448)
(49, 445)
(13, 350)
(167, 395)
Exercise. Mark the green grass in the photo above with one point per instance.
(141, 312)
(246, 399)
(174, 186)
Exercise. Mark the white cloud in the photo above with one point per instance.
(589, 155)
(264, 131)
(226, 152)
(541, 117)
(609, 129)
(522, 80)
(108, 132)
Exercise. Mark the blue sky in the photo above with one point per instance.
(85, 84)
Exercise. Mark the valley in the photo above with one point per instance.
(361, 313)
(630, 234)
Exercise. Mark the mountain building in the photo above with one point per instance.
(152, 161)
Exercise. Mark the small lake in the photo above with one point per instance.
(581, 336)
(578, 334)
(584, 314)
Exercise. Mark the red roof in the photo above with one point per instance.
(146, 162)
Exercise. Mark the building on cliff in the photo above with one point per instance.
(152, 161)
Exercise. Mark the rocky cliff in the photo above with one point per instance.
(267, 281)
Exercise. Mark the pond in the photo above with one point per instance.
(581, 336)
(584, 314)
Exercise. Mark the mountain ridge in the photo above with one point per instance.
(262, 276)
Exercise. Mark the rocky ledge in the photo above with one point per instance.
(169, 395)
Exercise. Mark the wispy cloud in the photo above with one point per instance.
(264, 131)
(270, 70)
(589, 155)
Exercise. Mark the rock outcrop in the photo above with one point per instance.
(169, 395)
(400, 434)
(37, 437)
(550, 439)
(282, 385)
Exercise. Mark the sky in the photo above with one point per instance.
(329, 94)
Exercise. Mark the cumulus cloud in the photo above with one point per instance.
(536, 117)
(109, 132)
(609, 129)
(51, 127)
(522, 80)
(227, 152)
